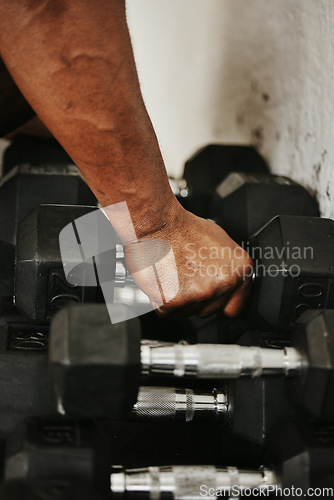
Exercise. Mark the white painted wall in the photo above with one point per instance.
(238, 71)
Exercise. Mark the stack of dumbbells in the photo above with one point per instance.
(157, 408)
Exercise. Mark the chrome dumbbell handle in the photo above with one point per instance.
(170, 403)
(188, 482)
(218, 360)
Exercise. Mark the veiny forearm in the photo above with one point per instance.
(73, 61)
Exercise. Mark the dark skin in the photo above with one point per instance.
(73, 62)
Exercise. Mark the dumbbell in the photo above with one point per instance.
(245, 202)
(43, 450)
(40, 284)
(99, 376)
(35, 151)
(114, 358)
(293, 270)
(48, 489)
(232, 185)
(249, 409)
(25, 385)
(307, 358)
(207, 168)
(191, 482)
(41, 287)
(22, 189)
(300, 464)
(24, 376)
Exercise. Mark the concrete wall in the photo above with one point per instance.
(238, 71)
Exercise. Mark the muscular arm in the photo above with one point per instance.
(73, 62)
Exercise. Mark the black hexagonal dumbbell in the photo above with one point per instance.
(32, 150)
(42, 451)
(305, 357)
(83, 365)
(99, 375)
(40, 284)
(25, 186)
(66, 452)
(249, 409)
(108, 385)
(68, 253)
(25, 384)
(300, 465)
(48, 489)
(244, 202)
(62, 452)
(293, 270)
(207, 168)
(24, 376)
(232, 185)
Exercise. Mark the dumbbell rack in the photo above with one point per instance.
(157, 454)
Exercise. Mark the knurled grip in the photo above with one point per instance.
(170, 403)
(164, 403)
(225, 359)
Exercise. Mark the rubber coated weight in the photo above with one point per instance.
(299, 463)
(243, 202)
(313, 390)
(24, 378)
(293, 270)
(24, 188)
(51, 448)
(40, 284)
(94, 374)
(35, 151)
(303, 455)
(48, 489)
(96, 369)
(209, 166)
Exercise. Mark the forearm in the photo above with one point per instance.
(73, 62)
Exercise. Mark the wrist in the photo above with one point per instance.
(133, 222)
(161, 219)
